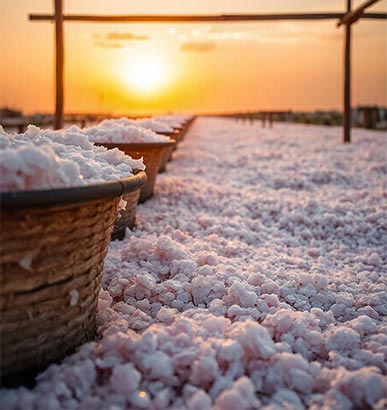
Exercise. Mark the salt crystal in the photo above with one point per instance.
(74, 296)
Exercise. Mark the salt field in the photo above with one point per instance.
(255, 278)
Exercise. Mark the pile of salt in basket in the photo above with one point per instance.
(182, 124)
(177, 123)
(152, 153)
(56, 222)
(136, 142)
(158, 127)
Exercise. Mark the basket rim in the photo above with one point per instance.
(173, 134)
(137, 145)
(47, 198)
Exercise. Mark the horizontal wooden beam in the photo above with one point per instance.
(354, 15)
(198, 18)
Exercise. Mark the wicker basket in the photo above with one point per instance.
(165, 157)
(186, 127)
(53, 245)
(151, 152)
(176, 135)
(126, 218)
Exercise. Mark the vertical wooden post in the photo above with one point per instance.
(59, 64)
(347, 81)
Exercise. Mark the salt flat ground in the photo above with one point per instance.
(256, 278)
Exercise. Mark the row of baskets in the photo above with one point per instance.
(53, 245)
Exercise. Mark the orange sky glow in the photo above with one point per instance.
(142, 68)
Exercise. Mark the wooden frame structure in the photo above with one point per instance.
(347, 19)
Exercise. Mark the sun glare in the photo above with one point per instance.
(146, 73)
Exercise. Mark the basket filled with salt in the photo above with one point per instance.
(137, 142)
(127, 216)
(166, 156)
(59, 199)
(179, 127)
(159, 127)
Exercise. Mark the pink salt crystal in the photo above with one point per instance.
(229, 350)
(374, 259)
(159, 366)
(74, 296)
(286, 362)
(200, 289)
(333, 399)
(162, 399)
(363, 387)
(216, 324)
(244, 297)
(287, 398)
(25, 262)
(271, 300)
(320, 282)
(381, 404)
(123, 308)
(139, 320)
(187, 267)
(205, 270)
(270, 287)
(299, 380)
(369, 311)
(314, 252)
(166, 315)
(217, 307)
(308, 290)
(254, 338)
(184, 358)
(146, 280)
(104, 298)
(200, 400)
(246, 389)
(213, 238)
(363, 325)
(342, 338)
(204, 371)
(125, 378)
(140, 399)
(230, 400)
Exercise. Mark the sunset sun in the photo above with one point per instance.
(147, 74)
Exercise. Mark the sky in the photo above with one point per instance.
(141, 68)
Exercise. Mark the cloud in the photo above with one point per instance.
(115, 39)
(127, 36)
(198, 46)
(219, 34)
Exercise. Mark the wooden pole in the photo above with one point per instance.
(59, 65)
(347, 81)
(354, 15)
(92, 18)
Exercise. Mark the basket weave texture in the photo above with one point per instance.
(151, 152)
(51, 268)
(127, 217)
(165, 157)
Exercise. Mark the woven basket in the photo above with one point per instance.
(185, 128)
(151, 152)
(165, 157)
(53, 245)
(127, 217)
(176, 135)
